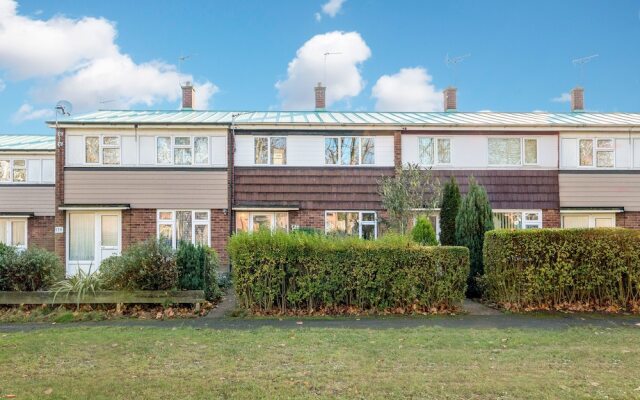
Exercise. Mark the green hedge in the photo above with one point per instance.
(291, 272)
(558, 267)
(27, 270)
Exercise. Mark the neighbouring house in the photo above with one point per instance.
(200, 176)
(27, 184)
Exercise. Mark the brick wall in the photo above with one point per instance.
(138, 224)
(220, 235)
(551, 218)
(628, 219)
(397, 148)
(307, 219)
(40, 231)
(59, 219)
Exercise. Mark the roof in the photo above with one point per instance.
(356, 118)
(27, 142)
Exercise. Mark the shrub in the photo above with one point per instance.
(449, 206)
(423, 233)
(198, 269)
(149, 265)
(28, 270)
(80, 284)
(280, 272)
(552, 267)
(473, 220)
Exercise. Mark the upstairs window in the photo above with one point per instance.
(270, 150)
(102, 149)
(182, 150)
(434, 150)
(509, 151)
(13, 171)
(600, 152)
(349, 150)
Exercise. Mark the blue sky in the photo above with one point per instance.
(124, 54)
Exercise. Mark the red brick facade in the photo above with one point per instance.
(628, 219)
(138, 224)
(551, 218)
(220, 234)
(40, 232)
(307, 219)
(59, 238)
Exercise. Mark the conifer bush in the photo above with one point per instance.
(449, 206)
(423, 232)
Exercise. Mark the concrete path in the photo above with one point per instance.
(502, 321)
(473, 307)
(227, 304)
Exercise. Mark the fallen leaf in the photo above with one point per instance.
(48, 391)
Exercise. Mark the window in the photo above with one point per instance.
(349, 150)
(604, 153)
(109, 230)
(270, 150)
(184, 226)
(5, 170)
(82, 237)
(13, 232)
(102, 149)
(434, 150)
(182, 150)
(603, 220)
(254, 221)
(434, 218)
(517, 219)
(13, 171)
(508, 151)
(363, 224)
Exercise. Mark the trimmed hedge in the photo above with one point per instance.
(290, 272)
(556, 268)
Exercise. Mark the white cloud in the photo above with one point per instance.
(26, 112)
(332, 7)
(343, 78)
(408, 90)
(563, 98)
(2, 85)
(78, 60)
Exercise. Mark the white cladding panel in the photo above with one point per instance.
(636, 152)
(308, 150)
(472, 151)
(623, 153)
(219, 150)
(75, 150)
(147, 150)
(129, 150)
(48, 171)
(627, 148)
(34, 171)
(569, 153)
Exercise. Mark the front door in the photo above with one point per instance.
(91, 238)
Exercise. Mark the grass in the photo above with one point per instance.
(438, 363)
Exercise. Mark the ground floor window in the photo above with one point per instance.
(605, 220)
(191, 226)
(433, 216)
(13, 232)
(257, 220)
(363, 224)
(517, 219)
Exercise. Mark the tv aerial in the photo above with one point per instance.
(581, 62)
(452, 62)
(63, 108)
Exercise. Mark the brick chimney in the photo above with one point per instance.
(188, 96)
(320, 97)
(577, 99)
(450, 99)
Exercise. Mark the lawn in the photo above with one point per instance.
(439, 363)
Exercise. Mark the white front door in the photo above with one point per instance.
(91, 237)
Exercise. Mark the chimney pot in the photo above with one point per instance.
(188, 96)
(320, 97)
(450, 99)
(577, 99)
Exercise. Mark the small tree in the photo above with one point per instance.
(409, 189)
(424, 233)
(449, 206)
(473, 220)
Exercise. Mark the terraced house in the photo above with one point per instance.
(200, 176)
(27, 181)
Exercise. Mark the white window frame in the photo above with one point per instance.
(340, 138)
(374, 223)
(194, 222)
(9, 232)
(101, 147)
(269, 158)
(173, 146)
(522, 151)
(592, 217)
(11, 161)
(594, 150)
(436, 156)
(523, 213)
(254, 213)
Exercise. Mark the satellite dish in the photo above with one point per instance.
(64, 107)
